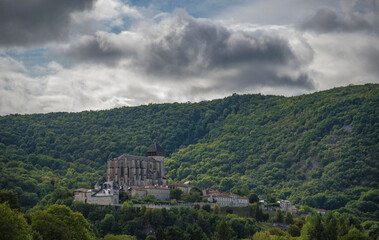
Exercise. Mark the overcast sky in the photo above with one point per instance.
(75, 55)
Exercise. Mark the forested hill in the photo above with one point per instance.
(319, 149)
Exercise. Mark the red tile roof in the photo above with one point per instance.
(226, 195)
(82, 190)
(180, 185)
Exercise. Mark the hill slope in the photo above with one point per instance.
(320, 149)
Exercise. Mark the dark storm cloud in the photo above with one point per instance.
(261, 76)
(182, 47)
(97, 49)
(34, 22)
(363, 15)
(196, 45)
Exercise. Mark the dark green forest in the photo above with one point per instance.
(319, 149)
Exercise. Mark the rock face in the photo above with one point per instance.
(128, 170)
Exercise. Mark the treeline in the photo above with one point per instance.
(319, 150)
(62, 218)
(68, 219)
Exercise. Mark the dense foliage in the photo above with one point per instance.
(319, 149)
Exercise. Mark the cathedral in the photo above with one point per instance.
(128, 170)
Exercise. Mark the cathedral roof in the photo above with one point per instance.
(132, 157)
(155, 148)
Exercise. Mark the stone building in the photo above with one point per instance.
(160, 193)
(185, 187)
(225, 199)
(103, 194)
(129, 170)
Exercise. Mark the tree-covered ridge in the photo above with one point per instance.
(319, 149)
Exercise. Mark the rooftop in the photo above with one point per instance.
(180, 185)
(149, 187)
(225, 195)
(84, 190)
(155, 149)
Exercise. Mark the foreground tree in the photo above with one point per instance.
(194, 232)
(119, 237)
(60, 223)
(224, 231)
(13, 225)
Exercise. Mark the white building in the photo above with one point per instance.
(104, 194)
(227, 199)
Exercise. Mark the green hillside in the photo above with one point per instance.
(319, 149)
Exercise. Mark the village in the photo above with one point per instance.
(141, 180)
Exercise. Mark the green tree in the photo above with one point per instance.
(108, 223)
(288, 218)
(216, 209)
(223, 231)
(263, 235)
(253, 198)
(355, 234)
(173, 233)
(60, 222)
(176, 194)
(294, 230)
(150, 237)
(278, 216)
(10, 197)
(313, 228)
(160, 234)
(194, 232)
(119, 237)
(206, 207)
(13, 225)
(277, 231)
(330, 226)
(229, 210)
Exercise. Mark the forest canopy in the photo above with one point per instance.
(319, 149)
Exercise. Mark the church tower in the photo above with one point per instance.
(155, 151)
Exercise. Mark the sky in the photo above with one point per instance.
(76, 55)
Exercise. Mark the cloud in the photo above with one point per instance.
(181, 47)
(113, 54)
(30, 23)
(343, 58)
(353, 16)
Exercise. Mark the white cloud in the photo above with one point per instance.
(343, 58)
(163, 57)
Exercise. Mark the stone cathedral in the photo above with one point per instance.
(128, 170)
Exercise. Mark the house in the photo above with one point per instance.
(104, 194)
(138, 192)
(287, 206)
(227, 199)
(160, 193)
(209, 191)
(82, 194)
(185, 187)
(321, 211)
(293, 210)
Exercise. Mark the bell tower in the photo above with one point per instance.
(157, 152)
